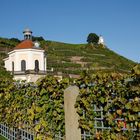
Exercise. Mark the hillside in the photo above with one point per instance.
(74, 58)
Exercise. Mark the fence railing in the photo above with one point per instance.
(15, 133)
(69, 101)
(99, 124)
(41, 72)
(21, 134)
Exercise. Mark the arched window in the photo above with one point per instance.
(23, 65)
(36, 65)
(13, 67)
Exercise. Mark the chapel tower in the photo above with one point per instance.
(27, 34)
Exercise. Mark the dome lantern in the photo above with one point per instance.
(27, 34)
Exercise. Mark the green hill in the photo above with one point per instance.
(73, 58)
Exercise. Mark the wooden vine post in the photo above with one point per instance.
(71, 117)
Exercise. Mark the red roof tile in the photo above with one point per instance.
(26, 44)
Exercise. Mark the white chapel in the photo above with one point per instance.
(101, 40)
(27, 61)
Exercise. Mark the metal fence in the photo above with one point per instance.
(99, 124)
(14, 133)
(21, 134)
(59, 136)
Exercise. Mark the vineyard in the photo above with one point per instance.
(112, 102)
(72, 58)
(39, 107)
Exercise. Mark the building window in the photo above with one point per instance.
(36, 65)
(23, 65)
(13, 68)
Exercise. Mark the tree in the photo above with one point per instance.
(92, 38)
(15, 40)
(40, 38)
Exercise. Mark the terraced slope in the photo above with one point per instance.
(73, 58)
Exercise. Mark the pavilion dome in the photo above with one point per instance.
(27, 30)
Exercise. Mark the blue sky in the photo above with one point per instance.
(70, 21)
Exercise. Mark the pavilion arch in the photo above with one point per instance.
(23, 65)
(36, 65)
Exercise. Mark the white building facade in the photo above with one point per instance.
(27, 61)
(101, 40)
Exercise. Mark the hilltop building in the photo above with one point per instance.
(101, 40)
(27, 61)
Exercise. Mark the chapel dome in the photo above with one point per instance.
(26, 44)
(27, 30)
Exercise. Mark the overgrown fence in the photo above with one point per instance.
(58, 111)
(21, 134)
(99, 123)
(100, 126)
(15, 133)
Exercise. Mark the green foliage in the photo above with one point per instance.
(37, 38)
(15, 40)
(58, 52)
(2, 138)
(39, 106)
(8, 43)
(4, 73)
(106, 59)
(119, 95)
(101, 46)
(136, 69)
(93, 38)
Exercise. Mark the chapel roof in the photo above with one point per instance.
(26, 44)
